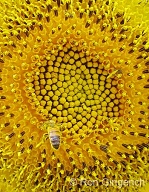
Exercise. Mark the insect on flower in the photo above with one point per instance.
(53, 132)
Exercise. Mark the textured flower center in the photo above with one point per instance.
(75, 88)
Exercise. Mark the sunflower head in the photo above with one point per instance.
(82, 65)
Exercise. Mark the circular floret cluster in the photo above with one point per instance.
(76, 89)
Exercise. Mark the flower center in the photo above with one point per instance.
(76, 88)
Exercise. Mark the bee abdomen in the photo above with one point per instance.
(55, 141)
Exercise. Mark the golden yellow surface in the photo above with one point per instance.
(85, 65)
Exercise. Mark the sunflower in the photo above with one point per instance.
(84, 66)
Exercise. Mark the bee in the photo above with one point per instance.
(53, 133)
